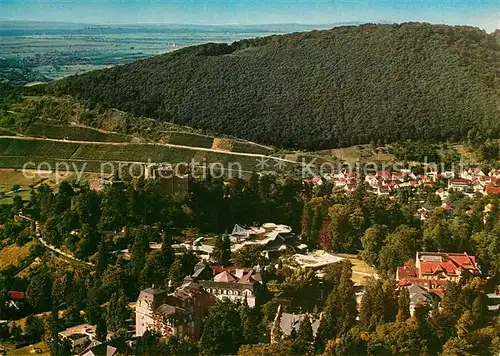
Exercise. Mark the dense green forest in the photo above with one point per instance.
(320, 89)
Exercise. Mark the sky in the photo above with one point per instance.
(481, 13)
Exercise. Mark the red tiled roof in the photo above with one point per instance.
(438, 292)
(433, 263)
(428, 267)
(447, 206)
(14, 295)
(405, 272)
(383, 174)
(235, 275)
(448, 267)
(232, 270)
(464, 261)
(450, 263)
(460, 181)
(492, 189)
(225, 277)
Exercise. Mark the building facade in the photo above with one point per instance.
(233, 283)
(173, 314)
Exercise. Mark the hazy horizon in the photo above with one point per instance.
(480, 13)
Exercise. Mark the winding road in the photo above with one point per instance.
(53, 248)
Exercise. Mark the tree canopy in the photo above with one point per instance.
(320, 89)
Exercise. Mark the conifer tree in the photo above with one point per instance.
(50, 335)
(304, 338)
(102, 259)
(465, 324)
(326, 235)
(479, 311)
(140, 248)
(341, 308)
(101, 329)
(403, 305)
(276, 332)
(221, 254)
(322, 336)
(175, 273)
(117, 313)
(249, 323)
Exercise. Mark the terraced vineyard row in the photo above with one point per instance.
(248, 147)
(190, 139)
(36, 148)
(76, 133)
(14, 153)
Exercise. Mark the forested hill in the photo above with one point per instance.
(319, 89)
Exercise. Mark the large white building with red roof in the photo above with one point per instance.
(440, 266)
(234, 283)
(433, 269)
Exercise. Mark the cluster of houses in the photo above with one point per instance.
(180, 311)
(386, 182)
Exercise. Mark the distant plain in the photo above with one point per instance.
(44, 51)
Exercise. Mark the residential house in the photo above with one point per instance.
(422, 214)
(383, 174)
(383, 190)
(79, 336)
(448, 174)
(459, 184)
(472, 173)
(291, 323)
(16, 299)
(442, 194)
(315, 181)
(494, 301)
(447, 207)
(494, 173)
(420, 296)
(492, 188)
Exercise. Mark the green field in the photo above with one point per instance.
(36, 148)
(4, 132)
(77, 133)
(44, 163)
(133, 153)
(249, 147)
(190, 139)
